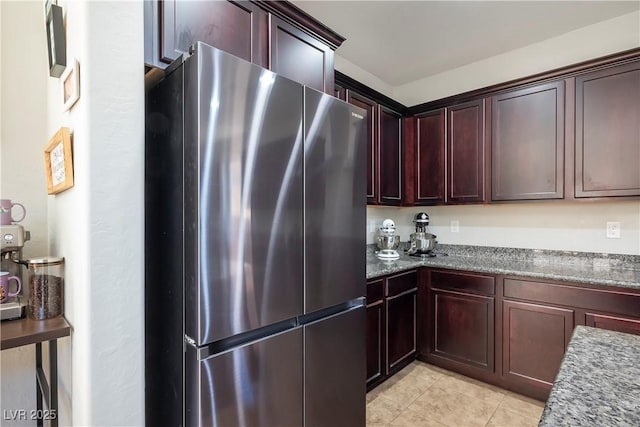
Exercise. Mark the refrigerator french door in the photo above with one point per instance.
(255, 207)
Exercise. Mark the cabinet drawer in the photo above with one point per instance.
(375, 291)
(613, 323)
(402, 283)
(464, 282)
(605, 300)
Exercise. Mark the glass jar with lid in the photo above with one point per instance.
(46, 287)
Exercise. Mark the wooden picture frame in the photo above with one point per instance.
(58, 162)
(71, 85)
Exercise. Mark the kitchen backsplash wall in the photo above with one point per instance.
(559, 226)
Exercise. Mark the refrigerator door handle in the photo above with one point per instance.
(228, 344)
(353, 304)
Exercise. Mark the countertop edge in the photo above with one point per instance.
(433, 263)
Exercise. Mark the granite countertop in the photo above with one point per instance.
(598, 383)
(578, 267)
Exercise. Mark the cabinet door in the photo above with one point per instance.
(401, 305)
(376, 326)
(300, 57)
(339, 92)
(401, 329)
(608, 132)
(535, 338)
(237, 27)
(372, 157)
(613, 323)
(527, 143)
(429, 158)
(463, 328)
(390, 156)
(466, 177)
(375, 343)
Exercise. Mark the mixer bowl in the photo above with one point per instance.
(421, 243)
(388, 242)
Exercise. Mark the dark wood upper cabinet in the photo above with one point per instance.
(607, 148)
(466, 152)
(339, 92)
(389, 156)
(300, 57)
(370, 107)
(429, 155)
(527, 143)
(237, 27)
(274, 35)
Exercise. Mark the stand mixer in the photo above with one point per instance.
(388, 241)
(12, 238)
(421, 243)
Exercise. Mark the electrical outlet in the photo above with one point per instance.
(613, 230)
(455, 226)
(372, 226)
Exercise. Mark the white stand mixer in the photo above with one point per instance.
(388, 241)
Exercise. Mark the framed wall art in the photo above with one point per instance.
(71, 85)
(55, 41)
(58, 162)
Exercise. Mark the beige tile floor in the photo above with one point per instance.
(423, 395)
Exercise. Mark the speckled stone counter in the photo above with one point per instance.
(578, 267)
(598, 383)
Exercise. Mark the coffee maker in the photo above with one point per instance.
(12, 239)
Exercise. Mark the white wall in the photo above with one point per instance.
(23, 135)
(577, 226)
(98, 224)
(569, 226)
(350, 69)
(606, 37)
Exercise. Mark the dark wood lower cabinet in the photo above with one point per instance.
(401, 329)
(376, 333)
(460, 322)
(510, 331)
(613, 323)
(391, 325)
(535, 338)
(463, 329)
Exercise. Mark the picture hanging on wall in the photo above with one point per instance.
(55, 41)
(58, 162)
(71, 85)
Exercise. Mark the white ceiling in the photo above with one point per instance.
(403, 41)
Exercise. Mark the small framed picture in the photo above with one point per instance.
(58, 162)
(56, 47)
(71, 85)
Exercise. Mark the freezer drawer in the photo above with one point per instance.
(334, 202)
(335, 370)
(259, 384)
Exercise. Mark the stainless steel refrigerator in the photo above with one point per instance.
(255, 249)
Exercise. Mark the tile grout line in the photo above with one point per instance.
(495, 410)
